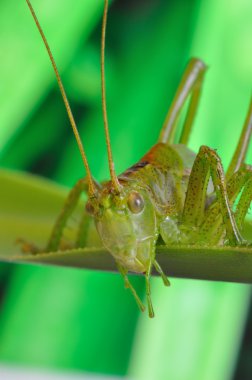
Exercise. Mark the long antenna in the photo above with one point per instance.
(91, 186)
(113, 176)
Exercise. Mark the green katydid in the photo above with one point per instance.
(171, 193)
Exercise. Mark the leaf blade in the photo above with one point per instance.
(34, 217)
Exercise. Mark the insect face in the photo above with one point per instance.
(127, 225)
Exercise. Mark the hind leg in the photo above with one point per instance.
(242, 146)
(191, 84)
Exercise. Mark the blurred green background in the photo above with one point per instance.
(84, 321)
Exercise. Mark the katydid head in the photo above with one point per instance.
(126, 223)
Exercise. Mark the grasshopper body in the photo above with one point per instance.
(171, 192)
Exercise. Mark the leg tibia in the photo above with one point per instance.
(160, 271)
(128, 285)
(57, 231)
(70, 204)
(212, 225)
(191, 83)
(242, 146)
(148, 291)
(244, 203)
(208, 163)
(82, 235)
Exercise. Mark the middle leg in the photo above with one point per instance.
(212, 225)
(208, 164)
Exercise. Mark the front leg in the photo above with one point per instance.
(58, 228)
(128, 285)
(148, 289)
(69, 206)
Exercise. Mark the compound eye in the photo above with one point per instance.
(135, 202)
(90, 208)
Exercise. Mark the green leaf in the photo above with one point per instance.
(30, 214)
